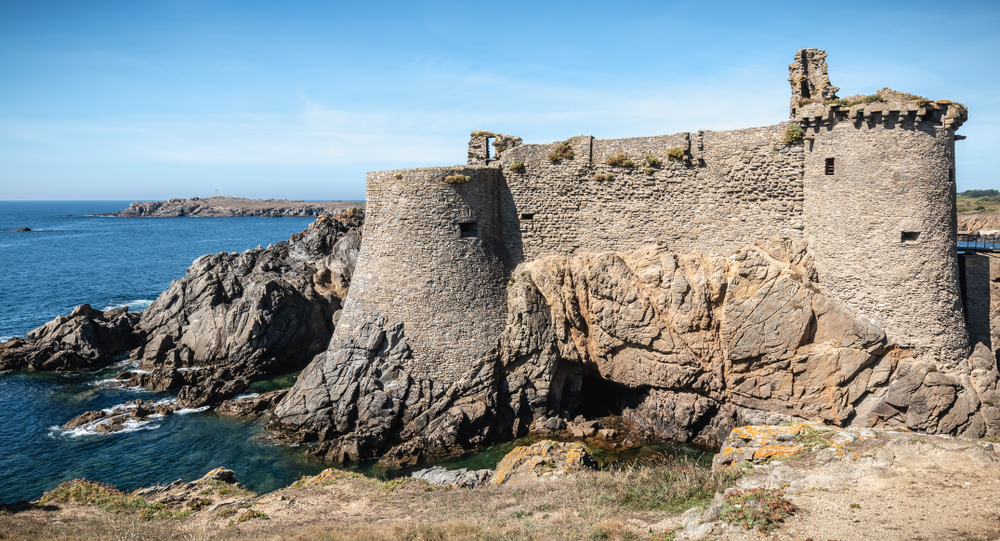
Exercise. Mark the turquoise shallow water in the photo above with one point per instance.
(108, 262)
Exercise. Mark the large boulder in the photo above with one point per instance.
(86, 338)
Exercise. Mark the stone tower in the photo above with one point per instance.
(879, 209)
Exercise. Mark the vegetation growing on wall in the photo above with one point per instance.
(620, 160)
(793, 134)
(457, 179)
(652, 161)
(562, 151)
(852, 101)
(604, 176)
(517, 167)
(675, 153)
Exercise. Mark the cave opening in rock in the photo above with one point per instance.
(599, 397)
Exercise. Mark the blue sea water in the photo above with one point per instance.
(108, 262)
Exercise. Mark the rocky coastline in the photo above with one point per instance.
(229, 207)
(235, 318)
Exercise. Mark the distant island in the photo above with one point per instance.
(226, 207)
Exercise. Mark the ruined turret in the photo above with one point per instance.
(809, 79)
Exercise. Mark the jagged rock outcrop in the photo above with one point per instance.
(238, 317)
(359, 400)
(86, 338)
(543, 460)
(225, 207)
(683, 347)
(978, 222)
(460, 478)
(686, 347)
(251, 405)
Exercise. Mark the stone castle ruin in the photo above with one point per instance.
(686, 282)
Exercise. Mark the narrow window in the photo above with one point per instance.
(910, 236)
(488, 141)
(468, 229)
(829, 166)
(530, 216)
(951, 175)
(804, 89)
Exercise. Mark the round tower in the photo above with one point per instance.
(879, 213)
(432, 259)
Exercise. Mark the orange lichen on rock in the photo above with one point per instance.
(759, 444)
(543, 460)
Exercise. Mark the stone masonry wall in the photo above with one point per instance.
(416, 268)
(882, 226)
(730, 189)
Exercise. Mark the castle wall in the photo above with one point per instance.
(731, 189)
(416, 268)
(882, 226)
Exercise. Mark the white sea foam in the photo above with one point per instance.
(107, 382)
(137, 305)
(186, 411)
(245, 395)
(190, 368)
(5, 338)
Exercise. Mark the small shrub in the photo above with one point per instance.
(604, 176)
(648, 171)
(992, 439)
(457, 179)
(482, 133)
(860, 101)
(620, 160)
(652, 161)
(517, 166)
(224, 491)
(399, 176)
(562, 151)
(855, 506)
(756, 509)
(226, 512)
(793, 134)
(522, 514)
(805, 101)
(932, 369)
(988, 403)
(810, 438)
(675, 153)
(249, 514)
(205, 491)
(667, 535)
(199, 504)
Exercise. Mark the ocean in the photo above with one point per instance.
(69, 258)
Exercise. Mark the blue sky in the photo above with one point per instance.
(152, 100)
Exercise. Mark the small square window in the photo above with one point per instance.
(468, 230)
(829, 166)
(910, 236)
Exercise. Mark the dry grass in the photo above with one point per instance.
(619, 504)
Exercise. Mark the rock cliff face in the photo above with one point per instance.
(684, 347)
(228, 207)
(86, 338)
(237, 317)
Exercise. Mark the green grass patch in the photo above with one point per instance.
(517, 166)
(107, 498)
(668, 484)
